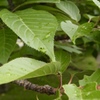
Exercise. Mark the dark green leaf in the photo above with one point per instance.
(64, 58)
(7, 44)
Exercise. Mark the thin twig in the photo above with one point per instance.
(41, 89)
(70, 79)
(11, 5)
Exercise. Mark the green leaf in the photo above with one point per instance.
(36, 28)
(22, 68)
(7, 44)
(83, 30)
(69, 48)
(95, 77)
(64, 58)
(84, 62)
(97, 2)
(69, 8)
(42, 1)
(88, 92)
(69, 28)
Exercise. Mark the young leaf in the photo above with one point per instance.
(36, 28)
(88, 92)
(22, 68)
(95, 77)
(69, 8)
(83, 30)
(7, 44)
(64, 58)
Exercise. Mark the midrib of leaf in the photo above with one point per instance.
(36, 37)
(20, 20)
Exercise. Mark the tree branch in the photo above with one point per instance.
(41, 89)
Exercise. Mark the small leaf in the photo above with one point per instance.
(35, 27)
(97, 2)
(72, 91)
(69, 8)
(64, 58)
(7, 44)
(95, 77)
(22, 68)
(88, 92)
(83, 30)
(69, 28)
(68, 48)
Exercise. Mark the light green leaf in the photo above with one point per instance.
(72, 91)
(95, 77)
(83, 30)
(22, 68)
(69, 28)
(97, 2)
(7, 44)
(64, 58)
(36, 28)
(88, 92)
(69, 8)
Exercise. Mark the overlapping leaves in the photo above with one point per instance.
(35, 28)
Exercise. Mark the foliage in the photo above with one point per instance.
(50, 42)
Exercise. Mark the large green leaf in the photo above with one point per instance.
(64, 58)
(36, 28)
(22, 68)
(88, 92)
(95, 77)
(69, 8)
(7, 44)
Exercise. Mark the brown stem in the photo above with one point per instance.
(11, 5)
(41, 89)
(60, 80)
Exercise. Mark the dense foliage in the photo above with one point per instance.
(50, 43)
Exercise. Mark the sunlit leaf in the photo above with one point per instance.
(95, 77)
(35, 28)
(83, 30)
(97, 2)
(22, 68)
(88, 92)
(69, 8)
(69, 28)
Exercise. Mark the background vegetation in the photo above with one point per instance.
(54, 44)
